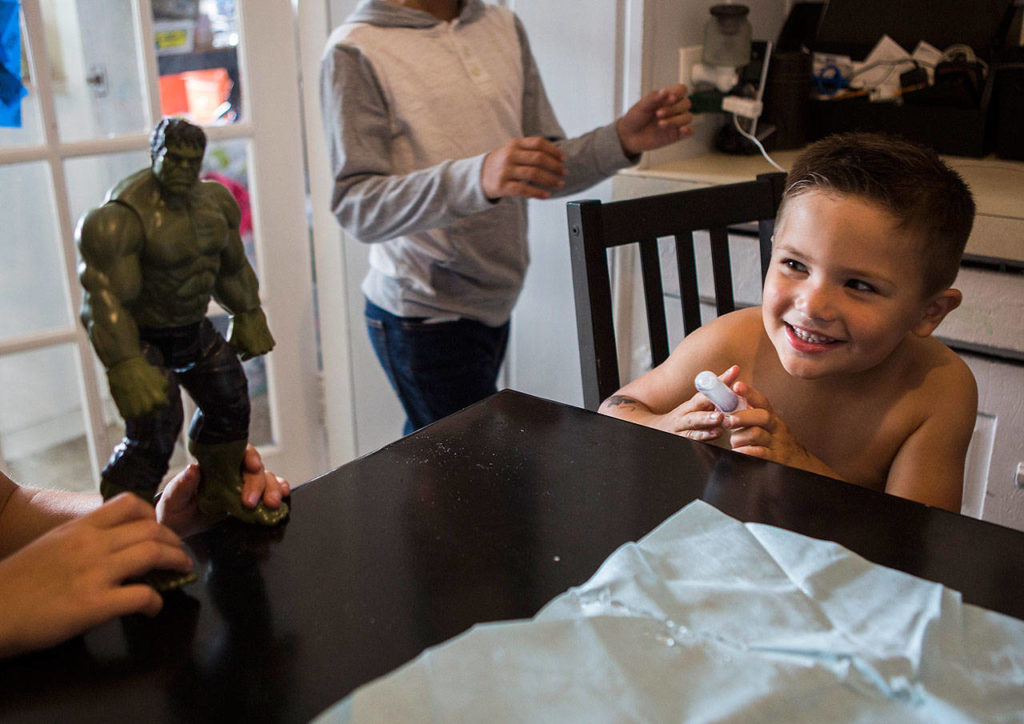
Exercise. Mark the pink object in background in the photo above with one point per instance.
(241, 194)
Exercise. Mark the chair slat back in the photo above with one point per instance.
(596, 227)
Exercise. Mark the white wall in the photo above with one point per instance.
(580, 59)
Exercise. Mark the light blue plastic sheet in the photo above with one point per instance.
(707, 619)
(11, 89)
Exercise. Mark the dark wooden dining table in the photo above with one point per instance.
(486, 515)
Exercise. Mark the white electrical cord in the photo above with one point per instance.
(750, 137)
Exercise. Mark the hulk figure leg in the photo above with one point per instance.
(220, 429)
(140, 460)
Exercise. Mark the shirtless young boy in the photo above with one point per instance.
(837, 367)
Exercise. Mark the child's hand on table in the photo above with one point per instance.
(73, 577)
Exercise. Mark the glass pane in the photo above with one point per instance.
(42, 424)
(261, 431)
(21, 125)
(90, 177)
(197, 57)
(95, 66)
(33, 281)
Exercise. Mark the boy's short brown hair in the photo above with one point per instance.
(910, 181)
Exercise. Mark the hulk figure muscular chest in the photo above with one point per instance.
(183, 245)
(157, 250)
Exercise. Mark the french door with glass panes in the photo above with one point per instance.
(95, 77)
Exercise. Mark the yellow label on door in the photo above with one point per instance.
(171, 39)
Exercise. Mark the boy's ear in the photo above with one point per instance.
(936, 309)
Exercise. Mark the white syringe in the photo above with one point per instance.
(717, 391)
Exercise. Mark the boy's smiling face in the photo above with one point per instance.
(844, 287)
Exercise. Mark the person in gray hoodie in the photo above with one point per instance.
(438, 131)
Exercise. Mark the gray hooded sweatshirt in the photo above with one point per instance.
(411, 107)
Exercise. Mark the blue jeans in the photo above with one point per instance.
(437, 368)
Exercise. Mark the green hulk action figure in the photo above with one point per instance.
(152, 256)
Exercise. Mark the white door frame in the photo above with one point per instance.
(269, 64)
(314, 25)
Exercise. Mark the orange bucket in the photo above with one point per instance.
(206, 91)
(173, 99)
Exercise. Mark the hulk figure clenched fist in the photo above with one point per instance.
(151, 257)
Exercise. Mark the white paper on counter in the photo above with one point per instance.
(709, 619)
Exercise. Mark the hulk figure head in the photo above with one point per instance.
(176, 148)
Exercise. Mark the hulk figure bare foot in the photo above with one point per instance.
(166, 581)
(220, 488)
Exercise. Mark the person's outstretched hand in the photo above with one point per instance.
(178, 505)
(73, 577)
(658, 119)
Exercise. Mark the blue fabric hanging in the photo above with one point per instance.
(11, 89)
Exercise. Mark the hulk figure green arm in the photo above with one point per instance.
(109, 242)
(236, 291)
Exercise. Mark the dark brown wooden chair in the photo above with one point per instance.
(596, 227)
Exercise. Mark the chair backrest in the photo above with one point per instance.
(595, 227)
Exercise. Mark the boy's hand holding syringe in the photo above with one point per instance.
(744, 420)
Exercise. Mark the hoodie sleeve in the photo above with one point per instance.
(368, 199)
(590, 158)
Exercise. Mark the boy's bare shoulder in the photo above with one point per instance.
(945, 380)
(940, 404)
(716, 346)
(747, 317)
(721, 333)
(722, 342)
(946, 362)
(7, 487)
(733, 332)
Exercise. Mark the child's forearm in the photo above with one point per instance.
(28, 513)
(691, 419)
(627, 408)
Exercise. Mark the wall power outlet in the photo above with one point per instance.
(689, 57)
